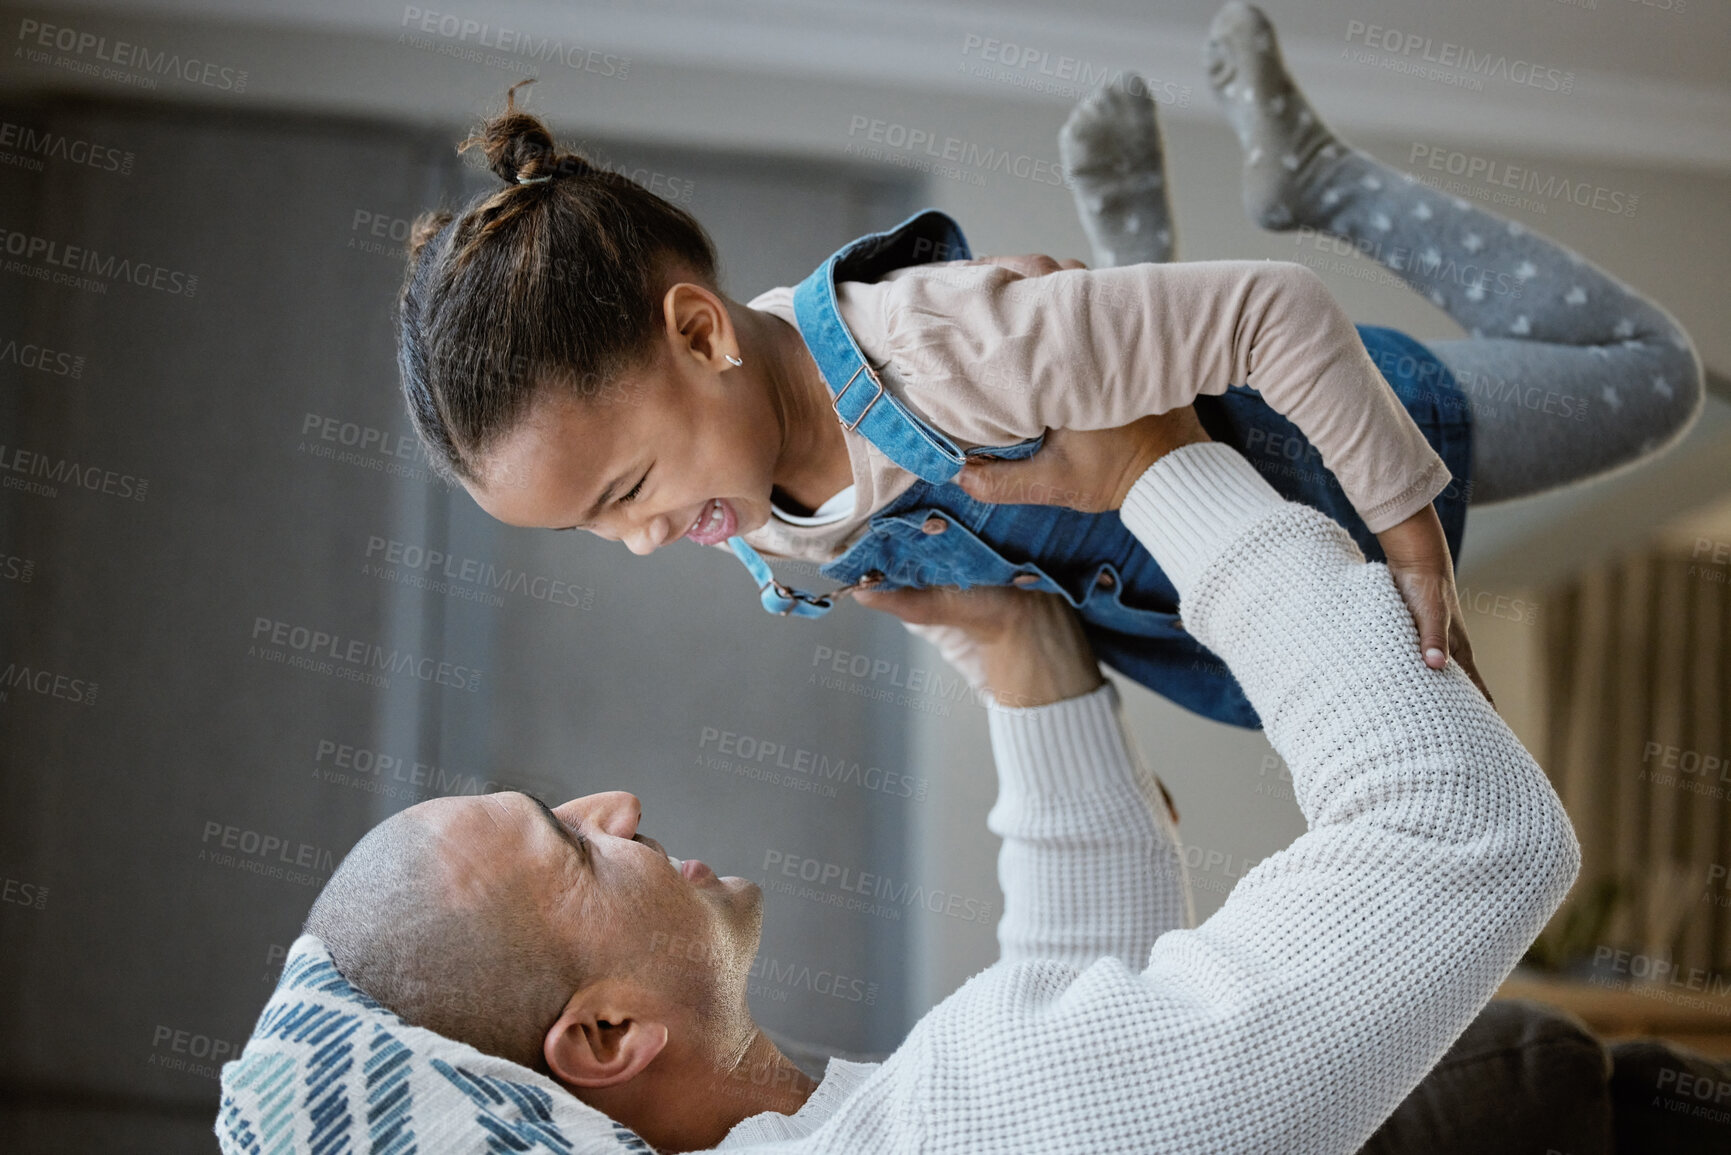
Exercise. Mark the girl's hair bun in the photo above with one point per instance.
(547, 284)
(519, 148)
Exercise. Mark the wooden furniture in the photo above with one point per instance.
(1698, 1020)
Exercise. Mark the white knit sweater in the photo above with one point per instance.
(1339, 970)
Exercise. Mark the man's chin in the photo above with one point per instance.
(743, 901)
(741, 891)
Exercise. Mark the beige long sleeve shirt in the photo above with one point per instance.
(991, 357)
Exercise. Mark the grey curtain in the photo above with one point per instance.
(225, 494)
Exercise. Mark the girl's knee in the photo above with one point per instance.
(1670, 391)
(1682, 379)
(1665, 376)
(1679, 376)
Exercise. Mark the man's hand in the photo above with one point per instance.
(1088, 470)
(1092, 471)
(1030, 645)
(1419, 562)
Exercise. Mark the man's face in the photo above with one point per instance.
(604, 892)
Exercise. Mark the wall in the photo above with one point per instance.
(227, 473)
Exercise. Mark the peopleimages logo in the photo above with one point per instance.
(1542, 185)
(352, 658)
(511, 42)
(678, 950)
(416, 565)
(177, 1049)
(926, 142)
(20, 893)
(342, 764)
(1448, 55)
(86, 52)
(1662, 972)
(1038, 70)
(265, 854)
(28, 355)
(759, 753)
(53, 254)
(27, 147)
(46, 683)
(56, 471)
(876, 888)
(365, 446)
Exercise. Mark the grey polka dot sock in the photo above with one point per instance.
(1287, 149)
(1111, 148)
(1546, 323)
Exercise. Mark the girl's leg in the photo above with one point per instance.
(1111, 148)
(1569, 373)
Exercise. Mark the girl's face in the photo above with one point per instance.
(682, 446)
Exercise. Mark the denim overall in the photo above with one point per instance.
(934, 534)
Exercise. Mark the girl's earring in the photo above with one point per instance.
(732, 360)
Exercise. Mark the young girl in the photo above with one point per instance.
(568, 358)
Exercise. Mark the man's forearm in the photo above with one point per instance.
(1091, 866)
(1041, 657)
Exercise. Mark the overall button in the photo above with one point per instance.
(934, 524)
(1025, 580)
(1105, 580)
(1178, 624)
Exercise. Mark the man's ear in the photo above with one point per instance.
(698, 321)
(605, 1037)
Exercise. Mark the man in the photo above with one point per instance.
(1297, 1018)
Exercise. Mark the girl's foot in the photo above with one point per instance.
(1288, 151)
(1111, 146)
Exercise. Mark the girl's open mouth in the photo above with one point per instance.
(715, 523)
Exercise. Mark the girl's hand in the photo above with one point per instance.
(1418, 560)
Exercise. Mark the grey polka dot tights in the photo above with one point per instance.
(1569, 372)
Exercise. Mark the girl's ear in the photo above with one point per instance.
(697, 320)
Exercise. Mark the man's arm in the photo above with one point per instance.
(1340, 969)
(1090, 865)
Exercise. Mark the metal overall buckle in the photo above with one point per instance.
(792, 597)
(865, 368)
(822, 601)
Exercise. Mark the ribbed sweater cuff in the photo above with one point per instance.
(1191, 504)
(1071, 747)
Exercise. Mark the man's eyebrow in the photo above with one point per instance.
(564, 830)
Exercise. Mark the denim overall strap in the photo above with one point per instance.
(857, 394)
(861, 403)
(777, 598)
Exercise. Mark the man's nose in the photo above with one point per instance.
(615, 812)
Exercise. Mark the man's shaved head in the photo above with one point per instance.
(471, 957)
(486, 918)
